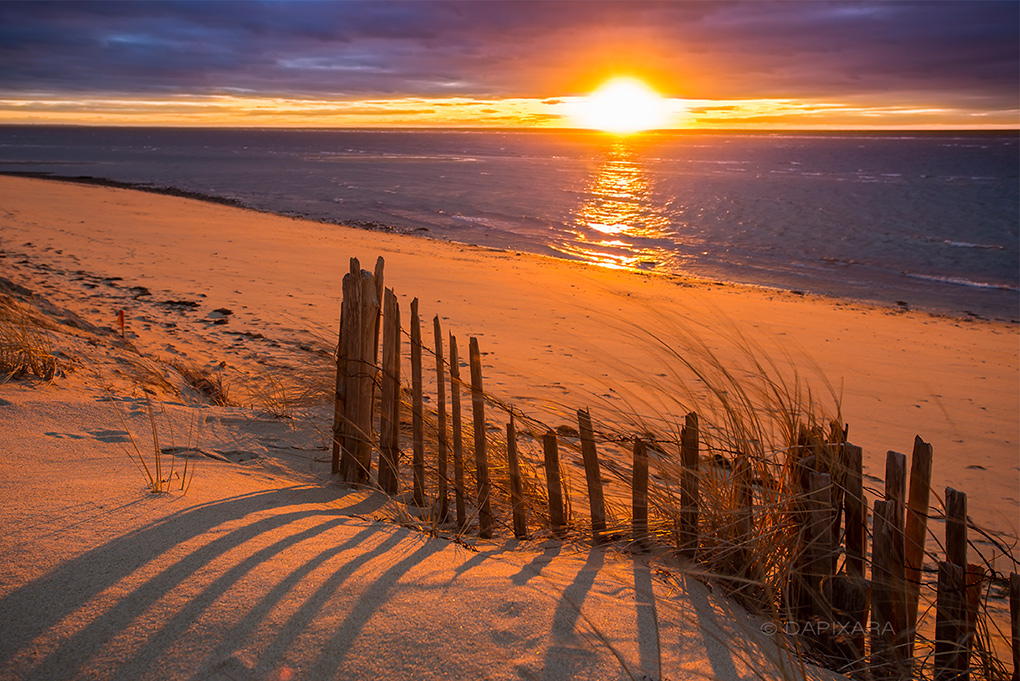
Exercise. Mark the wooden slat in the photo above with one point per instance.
(481, 457)
(951, 645)
(888, 636)
(1014, 621)
(596, 501)
(818, 566)
(690, 497)
(639, 496)
(365, 379)
(350, 336)
(856, 508)
(458, 433)
(916, 526)
(441, 445)
(552, 481)
(520, 517)
(896, 481)
(389, 419)
(956, 527)
(417, 410)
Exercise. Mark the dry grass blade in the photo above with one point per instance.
(25, 344)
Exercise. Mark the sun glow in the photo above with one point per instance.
(623, 105)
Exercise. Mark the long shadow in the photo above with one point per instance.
(371, 599)
(565, 650)
(649, 656)
(159, 641)
(241, 632)
(309, 610)
(533, 569)
(717, 651)
(79, 580)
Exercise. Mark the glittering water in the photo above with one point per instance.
(930, 219)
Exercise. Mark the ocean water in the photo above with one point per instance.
(929, 220)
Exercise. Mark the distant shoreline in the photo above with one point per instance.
(373, 226)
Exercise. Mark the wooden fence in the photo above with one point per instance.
(861, 626)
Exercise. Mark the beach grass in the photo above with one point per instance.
(26, 347)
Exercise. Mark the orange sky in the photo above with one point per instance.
(765, 64)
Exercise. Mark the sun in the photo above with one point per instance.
(623, 105)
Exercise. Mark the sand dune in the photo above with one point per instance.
(266, 569)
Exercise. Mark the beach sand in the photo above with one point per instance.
(265, 569)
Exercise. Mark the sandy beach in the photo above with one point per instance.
(267, 569)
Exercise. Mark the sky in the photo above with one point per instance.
(785, 64)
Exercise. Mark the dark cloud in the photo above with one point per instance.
(967, 51)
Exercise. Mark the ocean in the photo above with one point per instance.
(921, 220)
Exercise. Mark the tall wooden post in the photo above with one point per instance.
(417, 415)
(596, 501)
(481, 459)
(458, 433)
(347, 357)
(817, 566)
(916, 527)
(956, 527)
(744, 503)
(690, 498)
(888, 635)
(639, 497)
(441, 452)
(389, 419)
(856, 513)
(516, 484)
(365, 381)
(1014, 621)
(951, 645)
(552, 481)
(896, 482)
(380, 291)
(952, 631)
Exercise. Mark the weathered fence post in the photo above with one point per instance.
(417, 415)
(458, 433)
(380, 290)
(639, 496)
(956, 527)
(516, 484)
(888, 637)
(818, 564)
(346, 395)
(552, 482)
(916, 528)
(744, 504)
(689, 495)
(481, 460)
(952, 632)
(856, 509)
(896, 482)
(441, 452)
(365, 382)
(596, 502)
(389, 418)
(352, 416)
(1014, 621)
(951, 660)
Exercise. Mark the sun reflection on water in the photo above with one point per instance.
(619, 214)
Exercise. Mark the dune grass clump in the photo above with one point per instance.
(25, 344)
(205, 383)
(151, 458)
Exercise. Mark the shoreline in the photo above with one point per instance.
(423, 232)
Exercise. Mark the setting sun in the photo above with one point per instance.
(623, 105)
